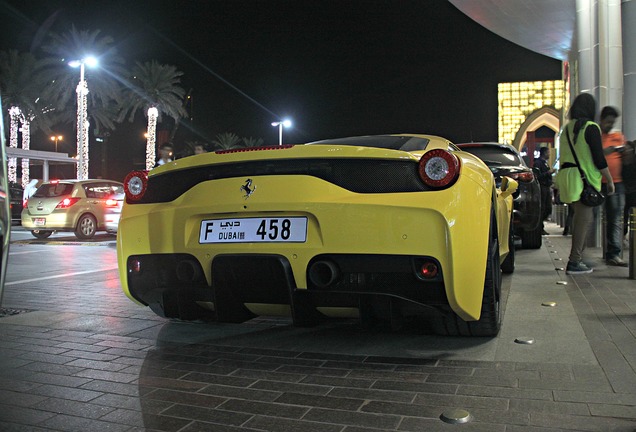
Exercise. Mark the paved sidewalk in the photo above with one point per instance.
(85, 358)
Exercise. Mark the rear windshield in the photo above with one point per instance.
(53, 190)
(102, 190)
(404, 143)
(495, 155)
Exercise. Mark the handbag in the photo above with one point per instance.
(589, 196)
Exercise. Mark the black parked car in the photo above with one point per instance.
(505, 160)
(15, 203)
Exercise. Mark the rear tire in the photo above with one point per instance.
(41, 234)
(86, 227)
(508, 266)
(531, 239)
(489, 321)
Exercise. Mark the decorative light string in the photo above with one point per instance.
(26, 140)
(82, 131)
(153, 113)
(14, 115)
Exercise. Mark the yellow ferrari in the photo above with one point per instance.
(404, 228)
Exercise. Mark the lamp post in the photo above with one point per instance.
(56, 138)
(281, 124)
(82, 117)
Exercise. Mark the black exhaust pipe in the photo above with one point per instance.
(188, 271)
(323, 273)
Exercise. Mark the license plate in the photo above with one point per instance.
(39, 221)
(254, 230)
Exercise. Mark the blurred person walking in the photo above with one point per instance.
(544, 176)
(613, 146)
(584, 136)
(165, 154)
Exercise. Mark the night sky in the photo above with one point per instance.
(335, 68)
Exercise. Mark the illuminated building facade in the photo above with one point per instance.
(519, 100)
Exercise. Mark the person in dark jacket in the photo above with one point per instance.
(544, 177)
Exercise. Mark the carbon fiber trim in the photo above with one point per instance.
(355, 175)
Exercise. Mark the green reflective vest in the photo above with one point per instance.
(568, 180)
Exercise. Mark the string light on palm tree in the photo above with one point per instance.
(151, 137)
(26, 134)
(14, 115)
(82, 117)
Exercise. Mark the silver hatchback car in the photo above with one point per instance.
(70, 205)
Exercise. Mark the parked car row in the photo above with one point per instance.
(369, 225)
(406, 228)
(505, 160)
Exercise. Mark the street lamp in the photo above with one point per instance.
(82, 117)
(56, 138)
(281, 124)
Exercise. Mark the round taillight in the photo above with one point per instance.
(438, 168)
(135, 185)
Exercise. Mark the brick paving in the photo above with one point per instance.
(84, 358)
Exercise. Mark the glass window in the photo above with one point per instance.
(53, 190)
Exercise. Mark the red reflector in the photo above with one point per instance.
(134, 266)
(429, 270)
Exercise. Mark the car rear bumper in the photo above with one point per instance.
(339, 223)
(243, 281)
(53, 221)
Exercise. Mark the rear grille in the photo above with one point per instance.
(356, 175)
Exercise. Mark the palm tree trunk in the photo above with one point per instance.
(26, 144)
(153, 113)
(14, 114)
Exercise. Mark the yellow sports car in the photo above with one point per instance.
(406, 228)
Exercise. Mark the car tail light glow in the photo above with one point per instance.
(66, 203)
(525, 177)
(438, 168)
(135, 185)
(111, 202)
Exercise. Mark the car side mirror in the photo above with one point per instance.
(508, 186)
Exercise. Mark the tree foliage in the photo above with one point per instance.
(104, 81)
(153, 85)
(226, 140)
(24, 81)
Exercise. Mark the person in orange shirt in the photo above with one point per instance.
(613, 146)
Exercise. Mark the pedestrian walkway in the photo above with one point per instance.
(85, 358)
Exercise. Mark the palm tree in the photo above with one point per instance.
(155, 90)
(225, 141)
(23, 83)
(104, 83)
(252, 142)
